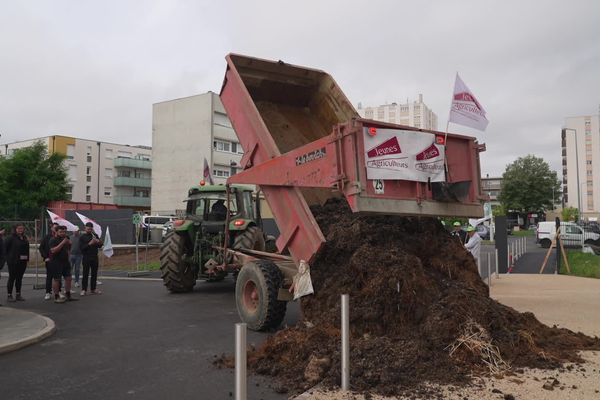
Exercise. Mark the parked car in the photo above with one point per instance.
(571, 234)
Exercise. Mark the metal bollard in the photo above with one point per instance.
(489, 276)
(496, 264)
(345, 342)
(240, 362)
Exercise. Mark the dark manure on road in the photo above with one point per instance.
(419, 312)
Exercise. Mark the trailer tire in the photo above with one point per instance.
(256, 290)
(252, 239)
(177, 275)
(545, 243)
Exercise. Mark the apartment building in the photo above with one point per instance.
(185, 132)
(581, 164)
(415, 114)
(492, 187)
(100, 172)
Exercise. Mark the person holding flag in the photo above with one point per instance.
(89, 243)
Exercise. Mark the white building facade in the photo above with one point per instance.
(100, 172)
(185, 132)
(581, 153)
(415, 114)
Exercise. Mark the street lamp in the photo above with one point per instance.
(577, 168)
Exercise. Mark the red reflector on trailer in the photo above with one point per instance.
(439, 139)
(202, 182)
(372, 131)
(238, 222)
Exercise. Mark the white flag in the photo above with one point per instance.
(465, 109)
(107, 249)
(85, 220)
(61, 221)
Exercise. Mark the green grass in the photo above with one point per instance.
(585, 265)
(151, 266)
(523, 233)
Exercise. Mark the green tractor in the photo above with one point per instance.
(194, 249)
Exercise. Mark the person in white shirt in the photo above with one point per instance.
(474, 243)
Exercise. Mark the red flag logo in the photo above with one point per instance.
(390, 146)
(430, 152)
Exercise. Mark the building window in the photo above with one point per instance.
(72, 172)
(141, 192)
(220, 173)
(70, 151)
(89, 157)
(88, 178)
(108, 153)
(124, 154)
(88, 198)
(107, 191)
(221, 145)
(108, 172)
(88, 189)
(69, 192)
(88, 170)
(125, 172)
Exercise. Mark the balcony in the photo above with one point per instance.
(132, 201)
(132, 182)
(132, 163)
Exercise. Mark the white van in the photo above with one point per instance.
(155, 221)
(572, 235)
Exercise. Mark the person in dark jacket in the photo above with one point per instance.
(2, 257)
(89, 243)
(459, 233)
(45, 252)
(17, 255)
(59, 264)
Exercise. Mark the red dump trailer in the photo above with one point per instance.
(304, 143)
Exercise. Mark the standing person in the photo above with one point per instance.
(459, 233)
(59, 264)
(89, 244)
(17, 255)
(474, 243)
(2, 256)
(45, 252)
(75, 257)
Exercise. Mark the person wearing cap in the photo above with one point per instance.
(458, 232)
(474, 243)
(89, 243)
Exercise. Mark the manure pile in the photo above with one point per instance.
(419, 312)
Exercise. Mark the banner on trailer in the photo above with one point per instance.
(404, 155)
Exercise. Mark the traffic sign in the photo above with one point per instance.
(137, 219)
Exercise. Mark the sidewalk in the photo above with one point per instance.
(20, 328)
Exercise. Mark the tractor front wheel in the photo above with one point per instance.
(256, 290)
(178, 275)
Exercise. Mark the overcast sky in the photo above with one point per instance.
(93, 69)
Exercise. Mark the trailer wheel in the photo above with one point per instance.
(545, 243)
(256, 290)
(252, 239)
(178, 276)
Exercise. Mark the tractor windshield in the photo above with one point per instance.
(211, 206)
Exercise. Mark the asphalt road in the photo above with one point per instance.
(135, 341)
(529, 263)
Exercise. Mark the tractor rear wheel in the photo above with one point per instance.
(178, 275)
(256, 291)
(252, 239)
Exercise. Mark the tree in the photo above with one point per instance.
(29, 179)
(570, 214)
(528, 185)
